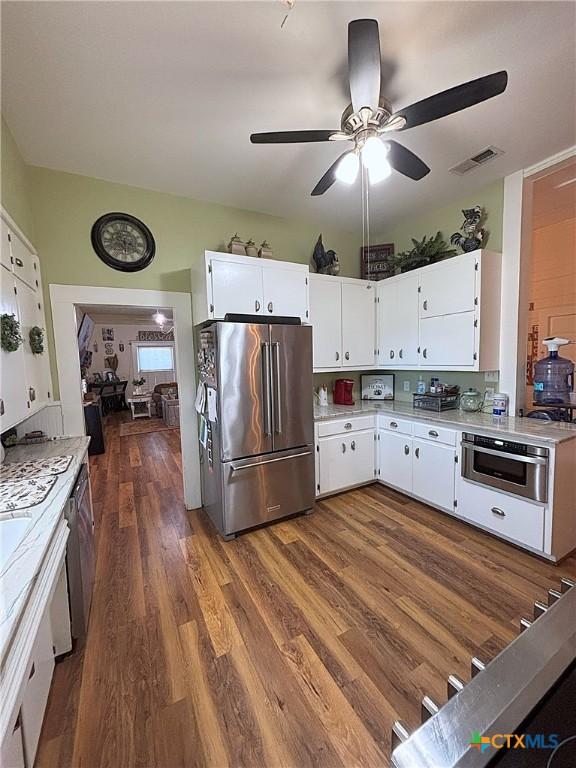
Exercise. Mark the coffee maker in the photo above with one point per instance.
(342, 394)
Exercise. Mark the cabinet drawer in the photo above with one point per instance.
(433, 432)
(505, 515)
(345, 425)
(403, 426)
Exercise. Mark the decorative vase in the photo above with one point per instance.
(251, 249)
(237, 246)
(265, 251)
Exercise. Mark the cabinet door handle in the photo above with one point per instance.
(425, 305)
(432, 433)
(31, 394)
(425, 352)
(337, 355)
(347, 355)
(391, 354)
(1, 407)
(270, 306)
(417, 453)
(401, 354)
(343, 447)
(18, 262)
(353, 445)
(498, 511)
(348, 425)
(257, 305)
(32, 671)
(394, 424)
(406, 450)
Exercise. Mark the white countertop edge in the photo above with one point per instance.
(544, 432)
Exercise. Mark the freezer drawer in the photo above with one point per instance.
(260, 489)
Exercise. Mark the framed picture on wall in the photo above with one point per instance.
(377, 261)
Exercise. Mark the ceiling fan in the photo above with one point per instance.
(369, 118)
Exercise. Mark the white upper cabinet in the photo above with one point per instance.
(358, 323)
(5, 252)
(17, 256)
(343, 316)
(286, 292)
(13, 395)
(398, 322)
(236, 288)
(449, 286)
(36, 366)
(442, 317)
(228, 284)
(326, 319)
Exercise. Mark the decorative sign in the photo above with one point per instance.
(155, 336)
(377, 261)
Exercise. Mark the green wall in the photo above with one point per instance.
(15, 185)
(448, 219)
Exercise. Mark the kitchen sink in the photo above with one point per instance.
(12, 530)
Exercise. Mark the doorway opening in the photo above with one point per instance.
(132, 370)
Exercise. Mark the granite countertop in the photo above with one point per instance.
(513, 426)
(19, 575)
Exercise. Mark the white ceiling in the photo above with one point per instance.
(164, 95)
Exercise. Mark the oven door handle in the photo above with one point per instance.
(512, 456)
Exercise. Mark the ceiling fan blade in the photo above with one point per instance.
(453, 100)
(364, 63)
(329, 177)
(406, 162)
(291, 137)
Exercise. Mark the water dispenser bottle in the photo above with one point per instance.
(553, 375)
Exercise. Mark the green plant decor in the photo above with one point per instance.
(36, 338)
(11, 336)
(425, 251)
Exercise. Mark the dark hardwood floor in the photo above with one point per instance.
(295, 645)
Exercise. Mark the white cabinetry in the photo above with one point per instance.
(227, 284)
(37, 367)
(442, 317)
(343, 316)
(395, 459)
(433, 473)
(398, 322)
(345, 454)
(13, 395)
(326, 319)
(12, 749)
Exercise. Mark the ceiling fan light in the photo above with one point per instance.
(347, 169)
(374, 154)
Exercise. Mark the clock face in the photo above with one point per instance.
(123, 242)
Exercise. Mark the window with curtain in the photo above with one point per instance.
(151, 358)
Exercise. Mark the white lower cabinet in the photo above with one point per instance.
(395, 459)
(40, 668)
(12, 749)
(433, 473)
(345, 460)
(508, 516)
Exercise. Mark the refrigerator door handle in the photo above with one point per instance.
(235, 468)
(277, 388)
(266, 387)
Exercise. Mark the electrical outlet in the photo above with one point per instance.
(489, 393)
(406, 385)
(491, 376)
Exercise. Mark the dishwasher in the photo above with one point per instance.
(80, 555)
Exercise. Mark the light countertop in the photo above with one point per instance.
(545, 432)
(21, 571)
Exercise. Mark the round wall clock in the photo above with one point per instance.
(123, 242)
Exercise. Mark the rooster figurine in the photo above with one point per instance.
(326, 262)
(472, 234)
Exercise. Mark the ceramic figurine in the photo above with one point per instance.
(265, 251)
(251, 249)
(326, 262)
(472, 234)
(237, 246)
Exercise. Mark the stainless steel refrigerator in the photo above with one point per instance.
(257, 425)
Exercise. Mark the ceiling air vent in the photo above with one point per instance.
(474, 162)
